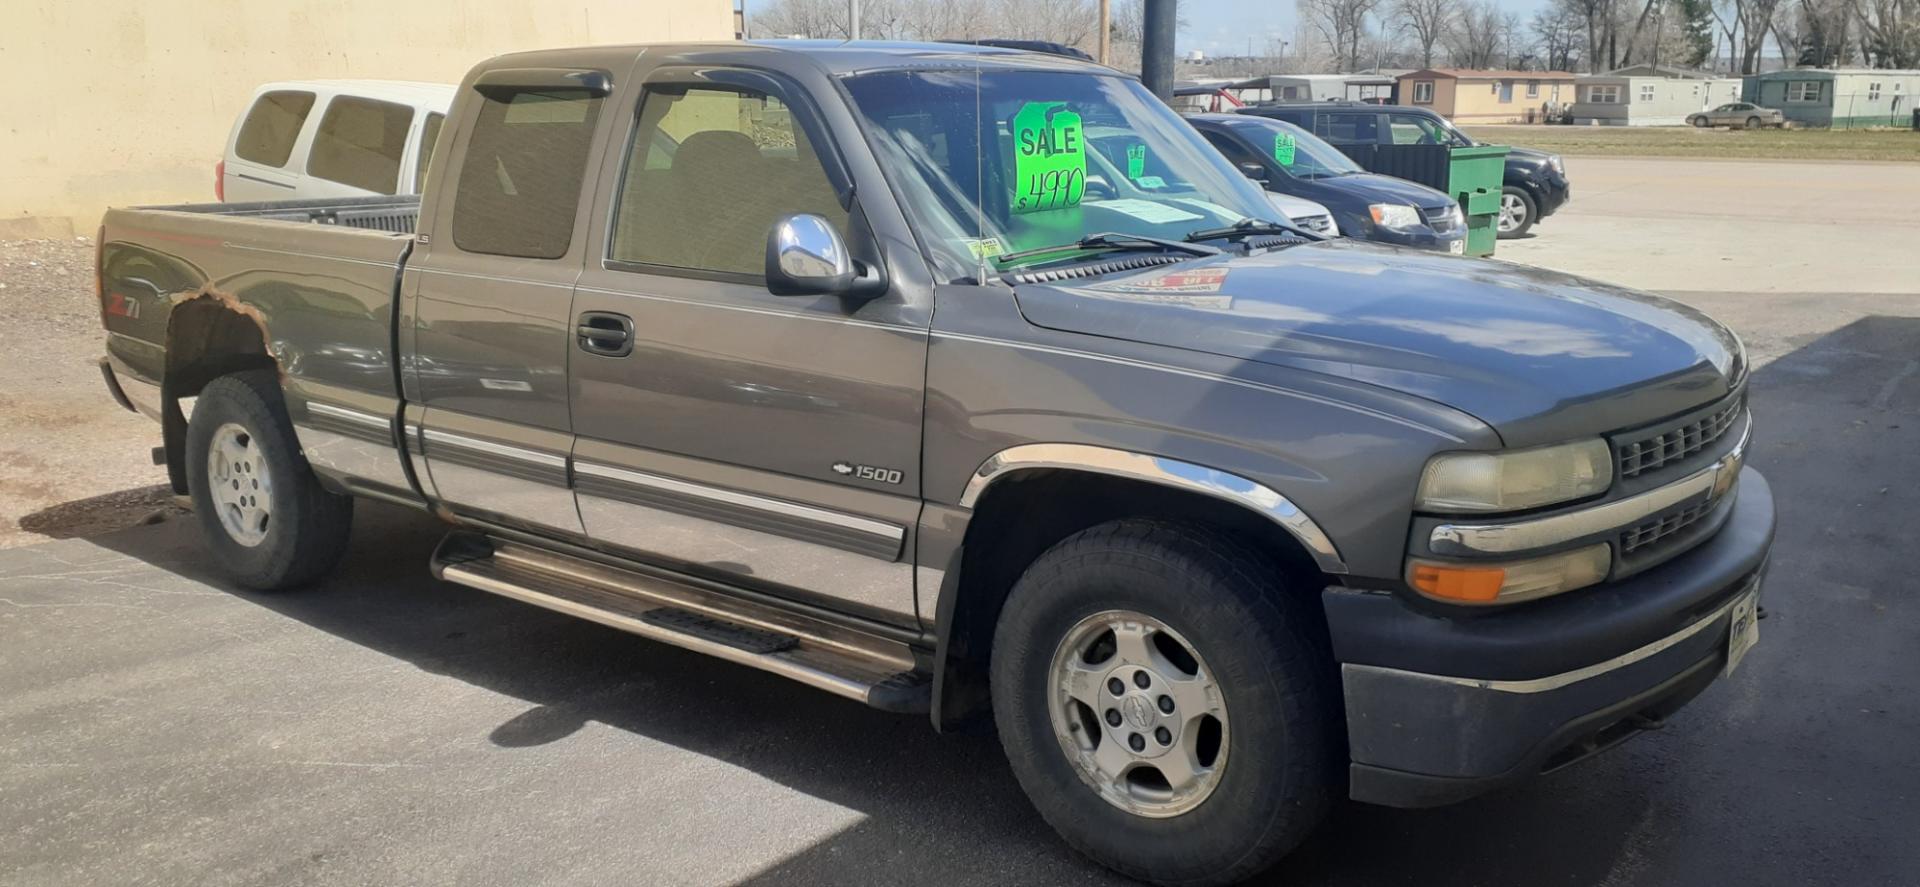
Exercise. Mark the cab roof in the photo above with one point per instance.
(835, 57)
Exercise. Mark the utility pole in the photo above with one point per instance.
(853, 19)
(1156, 48)
(1106, 31)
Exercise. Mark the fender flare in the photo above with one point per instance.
(1164, 471)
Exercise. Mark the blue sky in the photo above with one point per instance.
(1222, 27)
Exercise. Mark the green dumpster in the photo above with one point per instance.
(1474, 177)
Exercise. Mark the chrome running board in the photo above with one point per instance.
(840, 660)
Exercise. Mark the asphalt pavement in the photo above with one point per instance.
(160, 727)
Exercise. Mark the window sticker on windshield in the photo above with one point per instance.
(1283, 148)
(1049, 158)
(1136, 161)
(984, 248)
(1148, 211)
(1150, 182)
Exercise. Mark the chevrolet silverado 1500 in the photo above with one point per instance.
(865, 365)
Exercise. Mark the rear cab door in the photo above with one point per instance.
(487, 331)
(765, 441)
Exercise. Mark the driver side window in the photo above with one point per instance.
(1413, 129)
(709, 172)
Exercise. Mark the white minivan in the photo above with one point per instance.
(332, 138)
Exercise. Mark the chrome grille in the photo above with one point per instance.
(1439, 218)
(1652, 531)
(1677, 442)
(1316, 224)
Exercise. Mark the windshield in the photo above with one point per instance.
(1068, 155)
(1301, 154)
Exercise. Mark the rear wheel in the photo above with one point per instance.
(1166, 702)
(1753, 123)
(265, 515)
(1517, 213)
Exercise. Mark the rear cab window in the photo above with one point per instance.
(272, 126)
(519, 184)
(360, 143)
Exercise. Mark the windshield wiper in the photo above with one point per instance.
(1118, 242)
(1251, 228)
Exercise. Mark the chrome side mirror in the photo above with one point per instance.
(807, 257)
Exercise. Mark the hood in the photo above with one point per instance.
(1294, 206)
(1538, 355)
(1529, 156)
(1361, 189)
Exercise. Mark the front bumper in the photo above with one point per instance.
(1422, 238)
(1439, 709)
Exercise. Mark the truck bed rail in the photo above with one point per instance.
(396, 214)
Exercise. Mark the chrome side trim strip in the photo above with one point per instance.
(1555, 682)
(889, 534)
(1167, 472)
(372, 422)
(462, 442)
(1504, 538)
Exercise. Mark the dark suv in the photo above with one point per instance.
(1536, 182)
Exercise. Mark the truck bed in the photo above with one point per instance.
(306, 286)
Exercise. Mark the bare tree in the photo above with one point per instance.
(1342, 25)
(1425, 21)
(1890, 29)
(1475, 39)
(1558, 33)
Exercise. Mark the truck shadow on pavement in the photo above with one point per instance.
(945, 809)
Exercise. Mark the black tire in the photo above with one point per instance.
(1263, 642)
(308, 526)
(1753, 123)
(1532, 212)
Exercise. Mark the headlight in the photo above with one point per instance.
(1397, 216)
(1459, 217)
(1553, 160)
(1513, 480)
(1511, 581)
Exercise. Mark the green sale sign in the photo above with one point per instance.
(1283, 148)
(1050, 157)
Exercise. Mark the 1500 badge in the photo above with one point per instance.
(868, 472)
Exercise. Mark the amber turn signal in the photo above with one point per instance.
(1477, 585)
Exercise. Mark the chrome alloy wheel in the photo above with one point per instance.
(1513, 212)
(241, 489)
(1138, 714)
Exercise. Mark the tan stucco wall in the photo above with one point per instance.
(116, 102)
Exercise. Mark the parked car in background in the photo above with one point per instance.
(1288, 160)
(1126, 169)
(1746, 115)
(1535, 184)
(332, 138)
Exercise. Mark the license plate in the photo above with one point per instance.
(1458, 247)
(1745, 629)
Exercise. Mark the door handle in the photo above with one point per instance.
(605, 333)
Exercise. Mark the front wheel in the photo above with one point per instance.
(265, 515)
(1698, 122)
(1517, 213)
(1167, 703)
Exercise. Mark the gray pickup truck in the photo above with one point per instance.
(864, 365)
